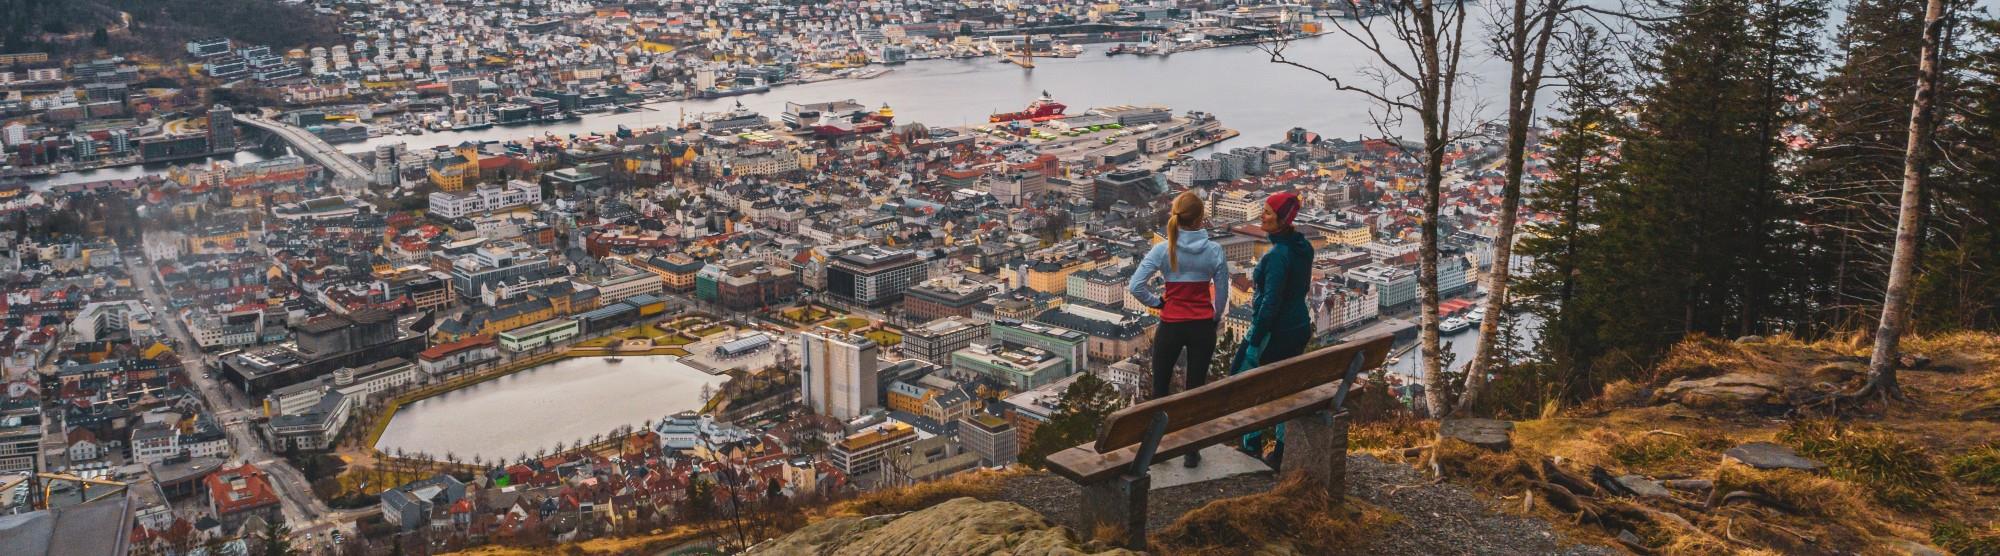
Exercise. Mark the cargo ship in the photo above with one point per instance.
(1042, 110)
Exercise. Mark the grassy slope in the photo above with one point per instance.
(1922, 471)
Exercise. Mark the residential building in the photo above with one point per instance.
(416, 504)
(154, 441)
(838, 377)
(1341, 302)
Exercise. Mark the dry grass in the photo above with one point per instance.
(1898, 473)
(652, 543)
(1978, 466)
(1966, 540)
(1702, 356)
(982, 484)
(1297, 515)
(1802, 492)
(1507, 471)
(1661, 449)
(1389, 437)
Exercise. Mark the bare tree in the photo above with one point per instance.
(1415, 48)
(1522, 38)
(1896, 298)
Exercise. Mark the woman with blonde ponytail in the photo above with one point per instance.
(1194, 299)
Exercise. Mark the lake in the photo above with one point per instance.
(560, 402)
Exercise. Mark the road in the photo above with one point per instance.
(311, 146)
(303, 511)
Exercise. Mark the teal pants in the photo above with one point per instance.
(1279, 346)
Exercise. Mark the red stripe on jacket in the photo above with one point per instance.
(1188, 301)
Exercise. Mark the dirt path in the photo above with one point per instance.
(1434, 518)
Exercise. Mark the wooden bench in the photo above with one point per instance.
(1305, 393)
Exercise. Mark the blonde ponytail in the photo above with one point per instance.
(1186, 208)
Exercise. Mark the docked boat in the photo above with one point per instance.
(1453, 325)
(613, 359)
(1043, 109)
(1477, 316)
(742, 86)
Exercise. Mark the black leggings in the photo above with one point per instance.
(1197, 338)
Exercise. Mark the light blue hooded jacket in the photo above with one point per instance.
(1197, 290)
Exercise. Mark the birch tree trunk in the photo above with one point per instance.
(1896, 297)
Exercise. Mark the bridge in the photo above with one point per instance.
(345, 169)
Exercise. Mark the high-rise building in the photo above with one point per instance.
(221, 129)
(873, 276)
(839, 375)
(387, 161)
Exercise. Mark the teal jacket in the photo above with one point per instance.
(1282, 278)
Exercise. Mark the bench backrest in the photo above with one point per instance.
(1128, 427)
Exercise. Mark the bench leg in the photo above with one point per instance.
(1316, 445)
(1117, 504)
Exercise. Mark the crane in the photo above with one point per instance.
(48, 485)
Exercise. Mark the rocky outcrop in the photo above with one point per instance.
(1741, 391)
(959, 526)
(1487, 434)
(1765, 455)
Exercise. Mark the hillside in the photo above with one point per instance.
(1688, 463)
(159, 27)
(1727, 450)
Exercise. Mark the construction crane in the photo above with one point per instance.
(48, 485)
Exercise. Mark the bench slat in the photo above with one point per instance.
(1127, 427)
(1085, 466)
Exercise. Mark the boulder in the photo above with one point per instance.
(1644, 487)
(958, 526)
(1734, 392)
(1488, 434)
(1765, 455)
(1750, 340)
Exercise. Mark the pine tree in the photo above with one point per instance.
(277, 538)
(1582, 159)
(1686, 236)
(1958, 286)
(1854, 167)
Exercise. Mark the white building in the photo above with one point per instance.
(487, 197)
(839, 374)
(1340, 302)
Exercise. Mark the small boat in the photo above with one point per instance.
(1478, 315)
(613, 359)
(1454, 324)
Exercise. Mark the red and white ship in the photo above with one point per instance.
(1042, 110)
